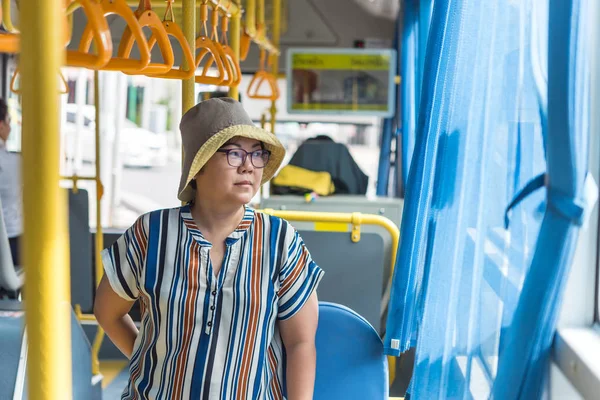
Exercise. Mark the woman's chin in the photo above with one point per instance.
(243, 198)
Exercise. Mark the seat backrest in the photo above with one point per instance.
(10, 279)
(80, 250)
(351, 363)
(354, 271)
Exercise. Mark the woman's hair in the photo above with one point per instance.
(3, 110)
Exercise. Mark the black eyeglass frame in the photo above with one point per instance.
(245, 154)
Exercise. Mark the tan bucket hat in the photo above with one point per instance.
(209, 125)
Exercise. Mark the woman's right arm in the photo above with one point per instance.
(111, 312)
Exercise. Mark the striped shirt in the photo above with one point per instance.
(204, 336)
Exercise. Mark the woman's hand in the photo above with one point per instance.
(111, 311)
(298, 334)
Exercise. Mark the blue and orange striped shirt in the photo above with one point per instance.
(204, 336)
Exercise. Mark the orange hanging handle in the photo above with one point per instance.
(259, 78)
(236, 71)
(228, 78)
(9, 43)
(120, 7)
(148, 18)
(174, 30)
(234, 74)
(208, 48)
(96, 30)
(245, 42)
(64, 88)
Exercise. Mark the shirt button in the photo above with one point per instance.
(212, 307)
(214, 292)
(209, 323)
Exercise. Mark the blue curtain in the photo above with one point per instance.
(478, 285)
(525, 349)
(463, 285)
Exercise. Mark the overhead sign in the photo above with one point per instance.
(341, 81)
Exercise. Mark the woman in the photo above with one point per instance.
(10, 186)
(223, 289)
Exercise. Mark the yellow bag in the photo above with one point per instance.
(296, 180)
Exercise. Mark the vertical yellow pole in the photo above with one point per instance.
(189, 31)
(234, 40)
(45, 241)
(275, 57)
(188, 87)
(99, 234)
(250, 12)
(260, 17)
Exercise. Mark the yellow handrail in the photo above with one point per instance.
(346, 218)
(234, 35)
(45, 241)
(275, 56)
(226, 7)
(188, 87)
(356, 219)
(7, 17)
(99, 233)
(251, 32)
(99, 337)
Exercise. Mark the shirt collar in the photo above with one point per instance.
(239, 232)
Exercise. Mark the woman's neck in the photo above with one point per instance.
(219, 221)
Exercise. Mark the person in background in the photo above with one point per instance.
(10, 185)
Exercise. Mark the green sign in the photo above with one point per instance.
(341, 81)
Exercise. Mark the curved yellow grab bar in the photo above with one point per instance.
(208, 48)
(97, 30)
(120, 7)
(7, 17)
(148, 18)
(174, 30)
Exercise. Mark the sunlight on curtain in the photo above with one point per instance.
(479, 141)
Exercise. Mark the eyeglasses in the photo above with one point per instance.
(237, 157)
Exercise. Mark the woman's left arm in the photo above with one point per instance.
(298, 334)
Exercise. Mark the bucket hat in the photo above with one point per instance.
(209, 125)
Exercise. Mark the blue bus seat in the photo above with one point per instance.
(351, 363)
